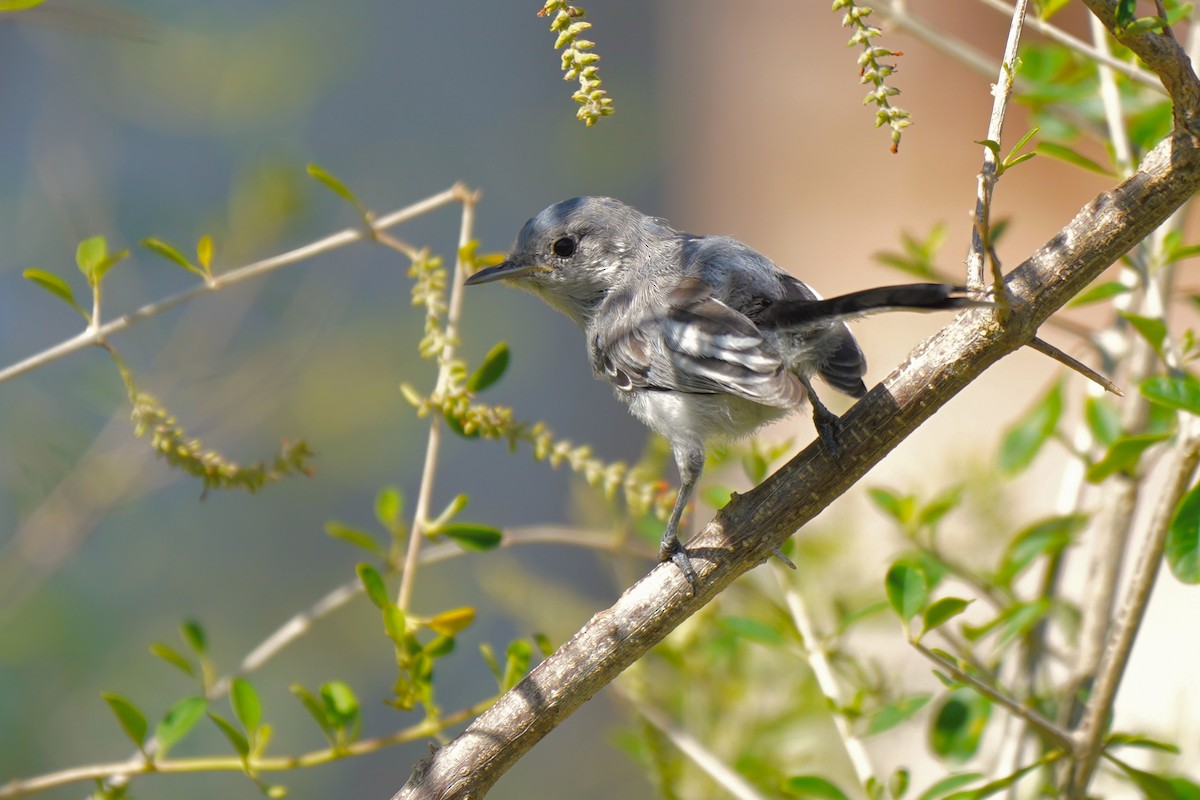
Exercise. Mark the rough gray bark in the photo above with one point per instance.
(745, 532)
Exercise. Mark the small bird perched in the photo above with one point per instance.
(701, 336)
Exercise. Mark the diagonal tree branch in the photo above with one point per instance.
(746, 531)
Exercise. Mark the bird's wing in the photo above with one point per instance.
(697, 344)
(842, 363)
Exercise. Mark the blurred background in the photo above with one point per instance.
(176, 119)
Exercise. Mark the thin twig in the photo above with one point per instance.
(818, 662)
(1100, 55)
(1047, 349)
(1045, 727)
(138, 765)
(433, 445)
(978, 256)
(92, 336)
(1133, 609)
(690, 746)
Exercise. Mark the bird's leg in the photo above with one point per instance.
(828, 423)
(689, 458)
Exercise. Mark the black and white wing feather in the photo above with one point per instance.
(699, 345)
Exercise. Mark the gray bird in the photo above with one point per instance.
(701, 336)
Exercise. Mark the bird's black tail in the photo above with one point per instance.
(906, 297)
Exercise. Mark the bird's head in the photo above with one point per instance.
(574, 252)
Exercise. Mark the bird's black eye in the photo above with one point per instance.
(564, 247)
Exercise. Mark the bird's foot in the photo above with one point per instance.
(828, 425)
(671, 550)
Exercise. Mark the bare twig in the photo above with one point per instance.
(92, 336)
(980, 251)
(1054, 734)
(691, 747)
(433, 445)
(1047, 349)
(1183, 464)
(818, 662)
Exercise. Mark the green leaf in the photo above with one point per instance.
(373, 583)
(193, 634)
(470, 536)
(717, 496)
(55, 286)
(19, 5)
(489, 658)
(1000, 784)
(755, 465)
(169, 252)
(1047, 537)
(1123, 455)
(958, 724)
(752, 630)
(236, 738)
(440, 647)
(901, 508)
(1103, 419)
(1123, 14)
(1153, 787)
(174, 658)
(494, 365)
(948, 784)
(942, 611)
(516, 664)
(1098, 292)
(907, 589)
(89, 255)
(1025, 438)
(1064, 153)
(1181, 253)
(812, 786)
(452, 622)
(990, 144)
(893, 714)
(452, 510)
(133, 721)
(1136, 740)
(177, 722)
(108, 262)
(314, 708)
(360, 539)
(395, 625)
(389, 505)
(1154, 331)
(341, 704)
(204, 253)
(1181, 392)
(544, 645)
(246, 705)
(1024, 140)
(1183, 538)
(931, 513)
(336, 186)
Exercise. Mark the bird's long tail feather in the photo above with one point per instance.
(905, 297)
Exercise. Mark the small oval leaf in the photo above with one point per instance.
(1181, 392)
(907, 589)
(178, 721)
(812, 786)
(133, 721)
(450, 623)
(376, 590)
(494, 365)
(246, 706)
(942, 611)
(470, 536)
(1183, 539)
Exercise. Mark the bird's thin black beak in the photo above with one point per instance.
(505, 269)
